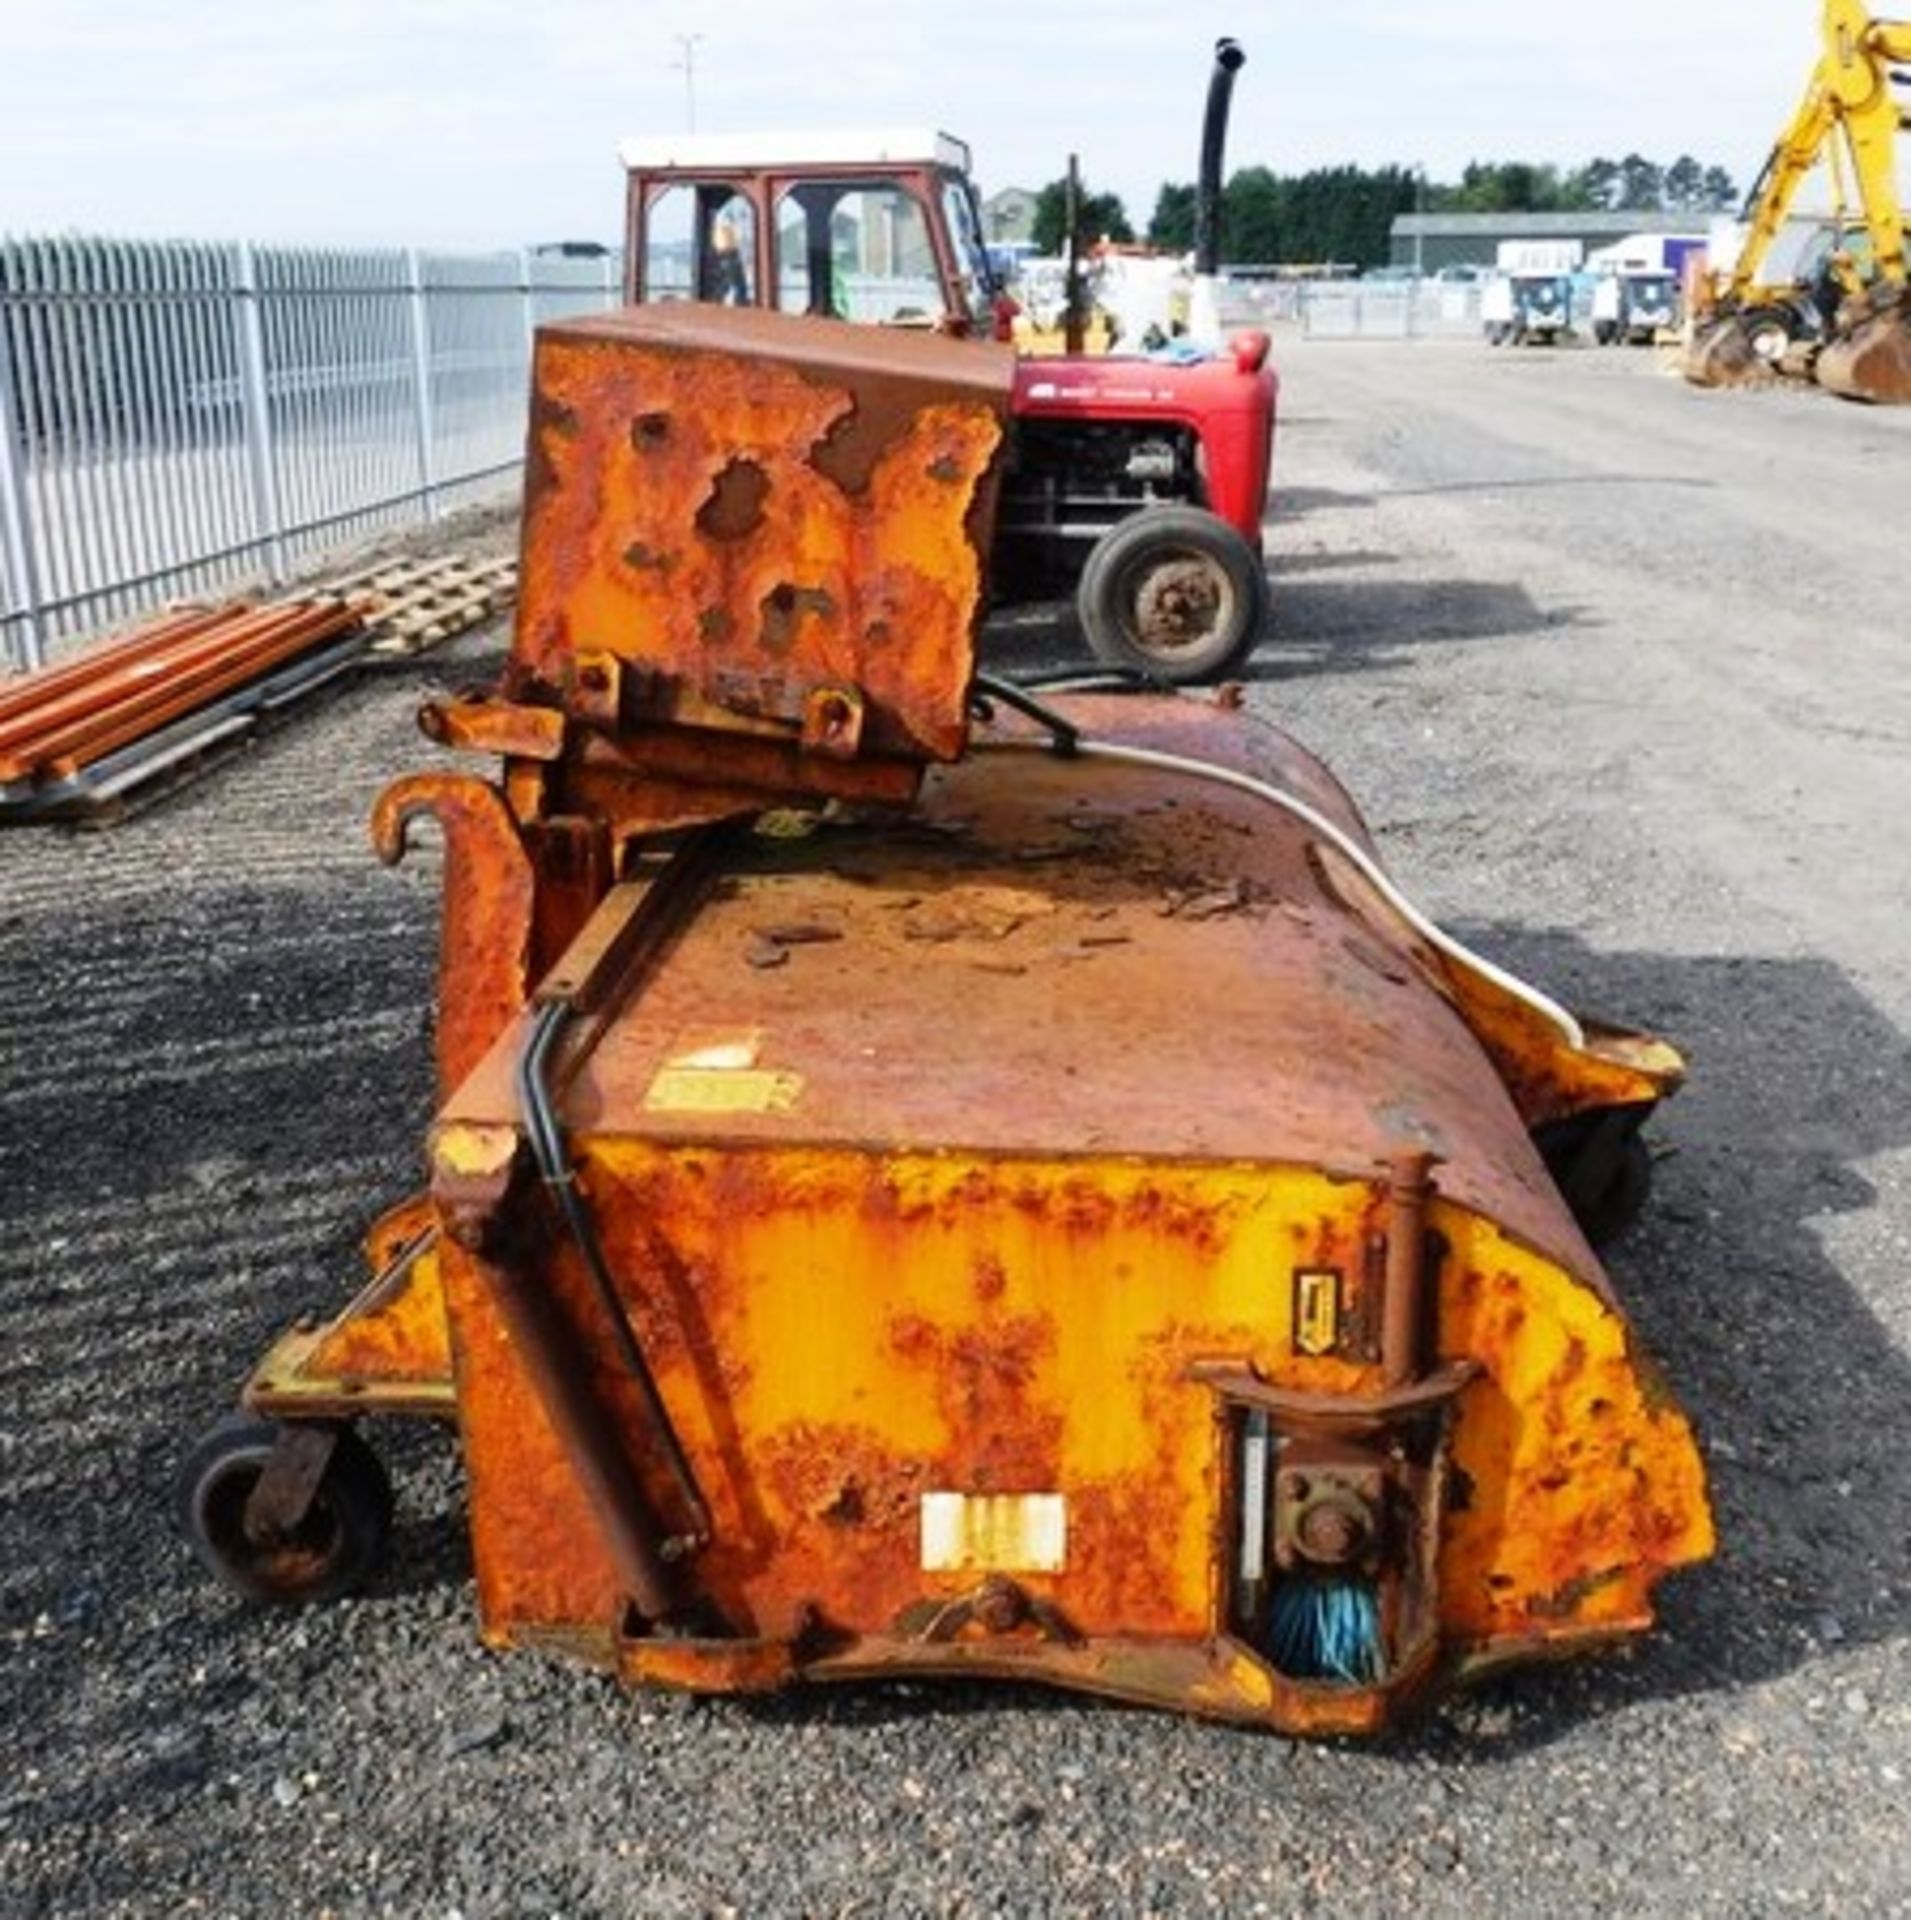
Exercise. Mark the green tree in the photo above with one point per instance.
(1598, 182)
(1332, 213)
(1641, 184)
(1718, 192)
(1099, 216)
(1512, 186)
(1684, 184)
(1251, 218)
(1172, 227)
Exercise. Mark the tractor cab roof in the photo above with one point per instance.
(883, 146)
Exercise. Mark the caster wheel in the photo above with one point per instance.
(1604, 1176)
(334, 1548)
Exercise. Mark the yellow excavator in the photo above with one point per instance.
(1849, 318)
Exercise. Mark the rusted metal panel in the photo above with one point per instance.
(753, 510)
(840, 1335)
(389, 1351)
(975, 965)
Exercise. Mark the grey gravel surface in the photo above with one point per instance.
(1621, 674)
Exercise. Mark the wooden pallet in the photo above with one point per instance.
(417, 604)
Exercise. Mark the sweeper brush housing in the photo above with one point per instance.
(934, 1181)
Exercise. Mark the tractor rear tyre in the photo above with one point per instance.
(1173, 593)
(333, 1549)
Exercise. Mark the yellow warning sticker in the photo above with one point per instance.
(681, 1089)
(1316, 1310)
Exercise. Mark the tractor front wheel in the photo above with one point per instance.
(1173, 593)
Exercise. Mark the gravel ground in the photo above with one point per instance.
(1619, 672)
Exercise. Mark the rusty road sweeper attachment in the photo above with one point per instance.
(936, 1180)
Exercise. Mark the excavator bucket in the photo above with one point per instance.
(1726, 353)
(934, 1180)
(1872, 361)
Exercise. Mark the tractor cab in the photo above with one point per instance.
(878, 227)
(1135, 483)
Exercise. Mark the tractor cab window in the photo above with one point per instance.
(700, 244)
(856, 251)
(979, 284)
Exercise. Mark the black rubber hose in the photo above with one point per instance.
(547, 1147)
(1064, 732)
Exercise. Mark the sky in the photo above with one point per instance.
(479, 123)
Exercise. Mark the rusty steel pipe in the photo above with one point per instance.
(24, 692)
(58, 697)
(128, 700)
(1403, 1313)
(290, 632)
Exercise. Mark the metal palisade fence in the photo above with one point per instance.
(177, 416)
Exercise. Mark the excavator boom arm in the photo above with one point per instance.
(1849, 115)
(1797, 152)
(1859, 51)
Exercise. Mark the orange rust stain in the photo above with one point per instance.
(818, 1329)
(396, 1228)
(485, 941)
(1583, 1486)
(537, 1551)
(843, 1294)
(397, 1333)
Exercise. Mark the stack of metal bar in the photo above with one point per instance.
(81, 739)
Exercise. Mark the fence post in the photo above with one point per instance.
(30, 651)
(258, 416)
(421, 380)
(530, 303)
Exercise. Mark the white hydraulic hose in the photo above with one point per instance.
(1348, 848)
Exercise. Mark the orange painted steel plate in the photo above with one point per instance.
(752, 508)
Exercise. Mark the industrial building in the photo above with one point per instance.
(1430, 241)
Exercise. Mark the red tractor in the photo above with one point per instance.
(1137, 479)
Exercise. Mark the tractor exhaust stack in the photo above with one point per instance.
(1204, 319)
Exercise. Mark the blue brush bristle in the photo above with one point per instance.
(1326, 1630)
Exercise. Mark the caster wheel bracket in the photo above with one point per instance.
(283, 1494)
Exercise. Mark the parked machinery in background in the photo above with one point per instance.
(1526, 309)
(1847, 318)
(1528, 300)
(1136, 483)
(933, 1179)
(1631, 306)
